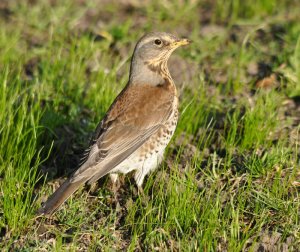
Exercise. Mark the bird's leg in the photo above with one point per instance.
(115, 184)
(141, 191)
(139, 178)
(115, 187)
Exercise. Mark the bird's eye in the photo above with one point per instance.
(157, 42)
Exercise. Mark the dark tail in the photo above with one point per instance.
(60, 196)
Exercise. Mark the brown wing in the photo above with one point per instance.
(136, 115)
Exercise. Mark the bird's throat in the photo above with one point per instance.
(151, 73)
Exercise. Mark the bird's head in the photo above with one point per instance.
(157, 46)
(153, 51)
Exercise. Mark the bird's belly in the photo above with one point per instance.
(139, 162)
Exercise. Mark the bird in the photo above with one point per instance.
(135, 131)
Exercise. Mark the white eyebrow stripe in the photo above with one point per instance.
(145, 41)
(167, 39)
(163, 37)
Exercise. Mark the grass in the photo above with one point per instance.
(230, 179)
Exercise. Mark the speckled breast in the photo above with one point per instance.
(159, 141)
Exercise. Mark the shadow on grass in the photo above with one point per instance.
(66, 139)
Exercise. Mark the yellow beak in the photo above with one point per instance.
(181, 42)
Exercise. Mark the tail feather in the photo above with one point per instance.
(60, 196)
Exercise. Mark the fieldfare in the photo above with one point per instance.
(137, 127)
